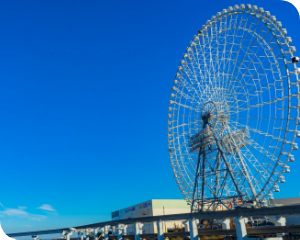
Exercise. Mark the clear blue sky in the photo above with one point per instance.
(84, 91)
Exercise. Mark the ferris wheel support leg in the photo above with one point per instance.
(217, 173)
(193, 229)
(229, 170)
(240, 227)
(160, 230)
(203, 177)
(196, 180)
(245, 172)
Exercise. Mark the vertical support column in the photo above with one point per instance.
(278, 221)
(96, 234)
(83, 235)
(225, 223)
(186, 226)
(160, 230)
(67, 234)
(240, 228)
(102, 232)
(114, 230)
(125, 230)
(87, 235)
(138, 230)
(120, 231)
(106, 232)
(193, 229)
(141, 225)
(79, 235)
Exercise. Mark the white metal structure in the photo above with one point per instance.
(233, 112)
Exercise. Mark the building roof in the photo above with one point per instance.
(287, 201)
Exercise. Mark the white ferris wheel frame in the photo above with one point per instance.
(242, 61)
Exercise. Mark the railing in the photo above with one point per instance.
(276, 229)
(238, 212)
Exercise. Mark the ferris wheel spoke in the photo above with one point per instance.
(223, 23)
(264, 152)
(255, 130)
(254, 162)
(240, 46)
(191, 89)
(195, 65)
(192, 76)
(262, 118)
(214, 49)
(253, 106)
(248, 50)
(256, 95)
(185, 124)
(257, 74)
(258, 90)
(184, 106)
(265, 175)
(261, 76)
(206, 66)
(193, 101)
(195, 60)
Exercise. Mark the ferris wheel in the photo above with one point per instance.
(234, 110)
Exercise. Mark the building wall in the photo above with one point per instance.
(168, 207)
(143, 209)
(153, 207)
(139, 210)
(285, 201)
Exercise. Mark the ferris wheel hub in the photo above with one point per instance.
(215, 112)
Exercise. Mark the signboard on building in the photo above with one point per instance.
(115, 214)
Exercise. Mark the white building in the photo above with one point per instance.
(153, 207)
(290, 219)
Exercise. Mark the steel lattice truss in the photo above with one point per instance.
(241, 68)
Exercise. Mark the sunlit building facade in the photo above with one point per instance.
(153, 207)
